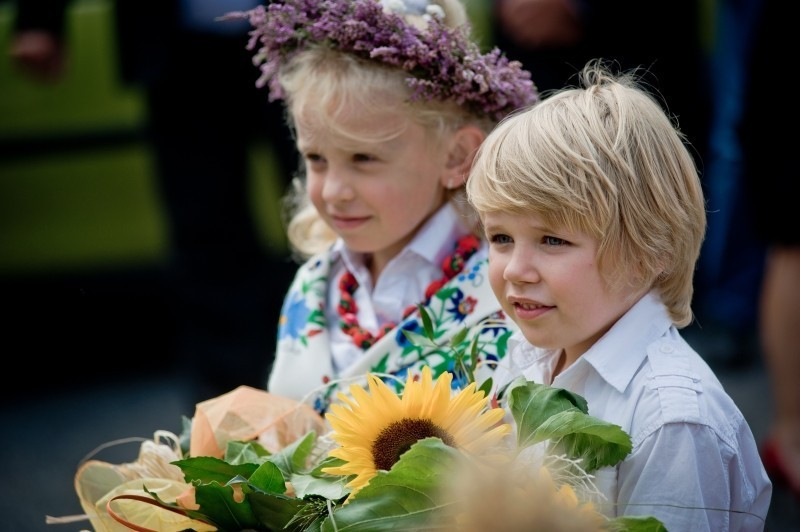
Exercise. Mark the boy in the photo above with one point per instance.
(595, 216)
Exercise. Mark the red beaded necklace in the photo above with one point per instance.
(451, 266)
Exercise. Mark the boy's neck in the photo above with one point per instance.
(560, 365)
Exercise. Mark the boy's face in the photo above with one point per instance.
(547, 280)
(374, 194)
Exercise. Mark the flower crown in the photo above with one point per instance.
(443, 62)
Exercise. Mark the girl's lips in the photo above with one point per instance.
(348, 222)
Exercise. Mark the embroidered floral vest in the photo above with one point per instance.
(303, 368)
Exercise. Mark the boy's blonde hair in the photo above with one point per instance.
(322, 86)
(603, 159)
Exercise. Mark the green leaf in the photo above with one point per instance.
(268, 478)
(445, 293)
(427, 323)
(293, 457)
(419, 340)
(250, 452)
(274, 511)
(548, 413)
(486, 387)
(328, 486)
(406, 498)
(597, 442)
(532, 404)
(474, 353)
(458, 337)
(206, 469)
(318, 483)
(217, 503)
(635, 523)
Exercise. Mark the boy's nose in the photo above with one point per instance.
(521, 267)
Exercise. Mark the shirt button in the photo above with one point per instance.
(666, 348)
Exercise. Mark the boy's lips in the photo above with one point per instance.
(528, 309)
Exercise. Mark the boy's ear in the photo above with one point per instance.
(463, 146)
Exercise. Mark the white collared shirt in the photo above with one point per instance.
(402, 283)
(691, 445)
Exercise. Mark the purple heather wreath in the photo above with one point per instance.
(444, 63)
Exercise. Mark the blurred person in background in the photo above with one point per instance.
(203, 112)
(769, 173)
(555, 38)
(731, 264)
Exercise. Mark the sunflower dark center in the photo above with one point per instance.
(399, 436)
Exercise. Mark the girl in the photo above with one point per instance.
(389, 102)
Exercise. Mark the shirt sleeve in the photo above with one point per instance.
(692, 478)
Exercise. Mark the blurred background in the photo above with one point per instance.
(83, 235)
(91, 274)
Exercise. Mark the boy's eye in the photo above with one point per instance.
(500, 239)
(553, 241)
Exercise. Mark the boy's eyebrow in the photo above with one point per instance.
(494, 224)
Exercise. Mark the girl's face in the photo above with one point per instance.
(547, 280)
(374, 194)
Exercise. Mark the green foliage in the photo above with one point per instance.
(268, 478)
(276, 512)
(239, 452)
(294, 456)
(217, 503)
(406, 498)
(543, 413)
(207, 469)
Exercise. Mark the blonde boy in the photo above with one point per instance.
(595, 216)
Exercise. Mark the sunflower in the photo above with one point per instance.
(374, 429)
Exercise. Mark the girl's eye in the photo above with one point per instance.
(314, 162)
(500, 239)
(554, 241)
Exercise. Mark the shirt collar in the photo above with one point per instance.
(617, 355)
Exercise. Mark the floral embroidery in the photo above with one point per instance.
(410, 326)
(298, 320)
(294, 315)
(451, 309)
(453, 264)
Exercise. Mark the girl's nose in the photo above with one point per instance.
(337, 186)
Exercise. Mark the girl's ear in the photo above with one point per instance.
(462, 148)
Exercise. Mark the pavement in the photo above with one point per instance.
(105, 384)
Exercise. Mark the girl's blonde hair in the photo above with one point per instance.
(323, 86)
(606, 160)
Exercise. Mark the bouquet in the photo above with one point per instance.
(425, 459)
(422, 459)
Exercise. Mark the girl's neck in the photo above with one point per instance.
(373, 268)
